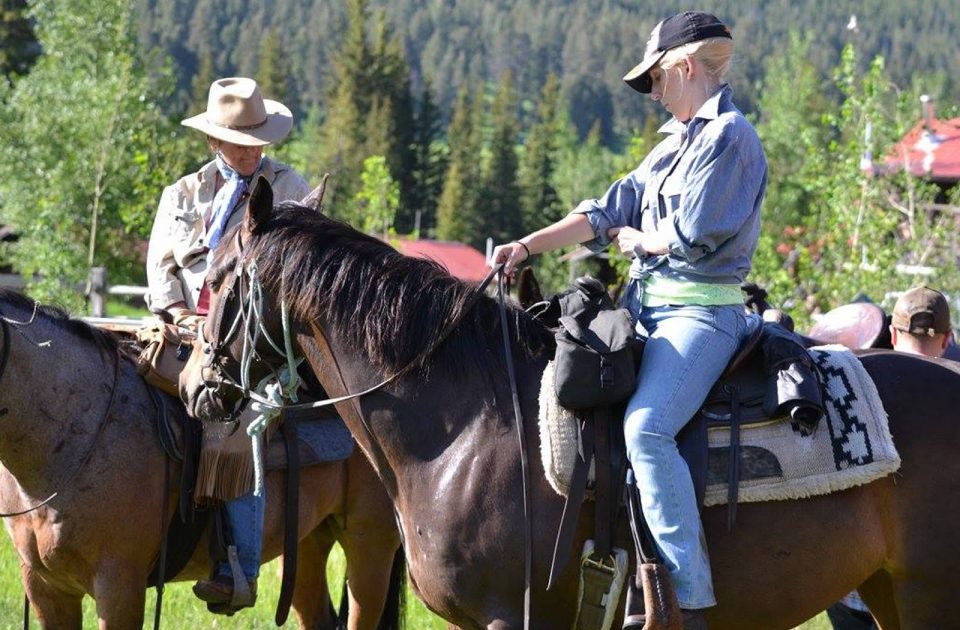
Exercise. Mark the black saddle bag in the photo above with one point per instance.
(595, 363)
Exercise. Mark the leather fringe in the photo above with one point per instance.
(225, 469)
(223, 476)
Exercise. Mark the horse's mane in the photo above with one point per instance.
(59, 317)
(373, 297)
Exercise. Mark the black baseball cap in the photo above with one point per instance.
(677, 30)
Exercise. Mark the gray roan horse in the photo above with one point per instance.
(76, 419)
(441, 437)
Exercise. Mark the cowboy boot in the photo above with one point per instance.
(220, 590)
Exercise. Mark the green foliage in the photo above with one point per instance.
(391, 77)
(88, 151)
(302, 150)
(370, 112)
(836, 230)
(272, 68)
(375, 205)
(202, 81)
(472, 42)
(499, 214)
(539, 199)
(430, 162)
(457, 205)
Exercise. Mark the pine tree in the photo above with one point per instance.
(342, 151)
(457, 204)
(202, 80)
(302, 149)
(380, 128)
(391, 76)
(430, 160)
(271, 70)
(540, 201)
(502, 216)
(370, 110)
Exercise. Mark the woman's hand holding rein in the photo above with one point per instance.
(573, 228)
(510, 255)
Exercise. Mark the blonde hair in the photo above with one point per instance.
(714, 53)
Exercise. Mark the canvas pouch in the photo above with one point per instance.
(594, 363)
(165, 350)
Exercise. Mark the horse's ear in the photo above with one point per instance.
(314, 200)
(260, 206)
(528, 289)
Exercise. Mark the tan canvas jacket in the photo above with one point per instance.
(176, 255)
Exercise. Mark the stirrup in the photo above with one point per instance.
(600, 585)
(243, 596)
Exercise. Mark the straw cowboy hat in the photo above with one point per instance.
(238, 113)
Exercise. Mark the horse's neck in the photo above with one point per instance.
(411, 424)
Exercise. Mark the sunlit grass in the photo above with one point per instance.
(182, 610)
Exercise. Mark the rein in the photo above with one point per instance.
(5, 357)
(5, 327)
(524, 466)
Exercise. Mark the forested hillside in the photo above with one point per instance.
(588, 43)
(473, 120)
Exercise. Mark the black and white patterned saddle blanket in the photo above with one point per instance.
(851, 447)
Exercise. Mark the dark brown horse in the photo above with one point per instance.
(76, 419)
(441, 437)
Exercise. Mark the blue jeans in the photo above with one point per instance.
(246, 526)
(688, 347)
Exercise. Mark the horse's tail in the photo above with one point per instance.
(394, 608)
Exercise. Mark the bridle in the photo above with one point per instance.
(249, 320)
(5, 324)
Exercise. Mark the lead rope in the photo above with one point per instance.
(524, 466)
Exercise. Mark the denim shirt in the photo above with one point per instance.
(702, 186)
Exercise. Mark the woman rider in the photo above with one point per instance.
(689, 216)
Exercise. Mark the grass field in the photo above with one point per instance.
(181, 610)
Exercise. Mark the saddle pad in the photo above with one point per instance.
(320, 440)
(852, 446)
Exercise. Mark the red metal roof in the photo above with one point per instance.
(461, 260)
(933, 153)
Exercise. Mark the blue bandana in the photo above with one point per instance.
(225, 202)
